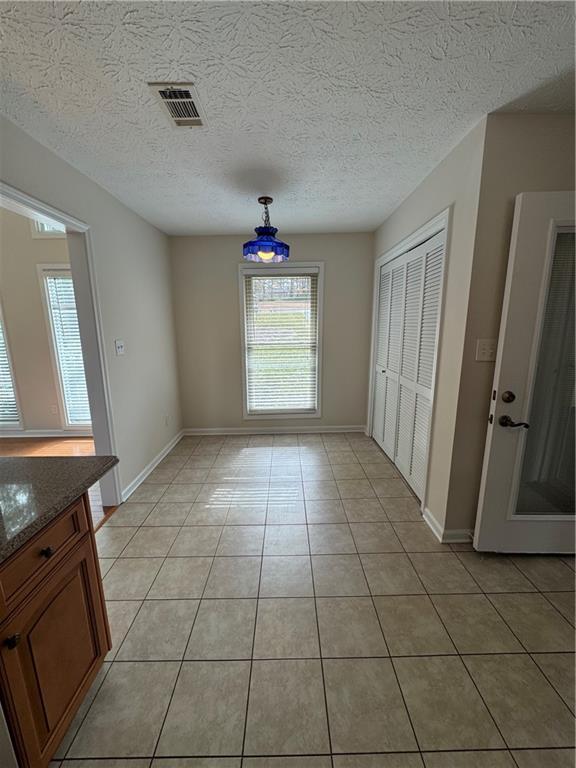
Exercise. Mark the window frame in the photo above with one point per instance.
(291, 270)
(11, 426)
(57, 270)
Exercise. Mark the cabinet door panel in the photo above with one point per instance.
(63, 633)
(63, 639)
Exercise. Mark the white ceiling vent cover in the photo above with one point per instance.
(180, 101)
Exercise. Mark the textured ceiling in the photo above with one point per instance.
(336, 109)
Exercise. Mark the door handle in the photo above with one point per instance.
(506, 421)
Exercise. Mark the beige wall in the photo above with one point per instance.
(25, 320)
(523, 153)
(455, 183)
(504, 155)
(207, 311)
(132, 275)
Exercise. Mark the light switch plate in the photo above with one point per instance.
(486, 350)
(119, 346)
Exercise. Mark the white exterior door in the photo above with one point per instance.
(526, 499)
(407, 319)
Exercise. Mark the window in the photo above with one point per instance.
(281, 340)
(9, 414)
(42, 228)
(67, 347)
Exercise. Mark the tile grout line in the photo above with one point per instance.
(320, 652)
(549, 681)
(243, 746)
(182, 660)
(315, 658)
(416, 740)
(459, 655)
(495, 750)
(377, 594)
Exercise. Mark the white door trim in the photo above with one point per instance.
(90, 320)
(440, 222)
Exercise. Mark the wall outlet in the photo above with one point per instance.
(486, 350)
(54, 410)
(119, 347)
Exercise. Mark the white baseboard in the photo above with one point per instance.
(454, 536)
(45, 433)
(458, 536)
(270, 430)
(139, 479)
(432, 523)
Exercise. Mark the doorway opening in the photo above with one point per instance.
(54, 395)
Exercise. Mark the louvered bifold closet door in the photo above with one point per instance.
(427, 350)
(408, 316)
(382, 324)
(397, 288)
(409, 360)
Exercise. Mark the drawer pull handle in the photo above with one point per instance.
(12, 641)
(47, 552)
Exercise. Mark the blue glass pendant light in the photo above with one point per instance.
(266, 247)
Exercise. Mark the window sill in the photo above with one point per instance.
(271, 415)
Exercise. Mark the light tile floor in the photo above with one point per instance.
(277, 601)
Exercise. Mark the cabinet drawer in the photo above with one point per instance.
(34, 561)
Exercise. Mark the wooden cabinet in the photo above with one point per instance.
(54, 640)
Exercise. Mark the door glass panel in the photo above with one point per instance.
(547, 478)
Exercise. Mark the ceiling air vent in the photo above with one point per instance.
(180, 101)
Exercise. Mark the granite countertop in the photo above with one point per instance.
(33, 491)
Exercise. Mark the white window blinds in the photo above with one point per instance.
(8, 406)
(281, 342)
(66, 335)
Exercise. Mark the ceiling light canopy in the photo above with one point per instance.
(266, 247)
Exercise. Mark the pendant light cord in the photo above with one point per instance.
(266, 215)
